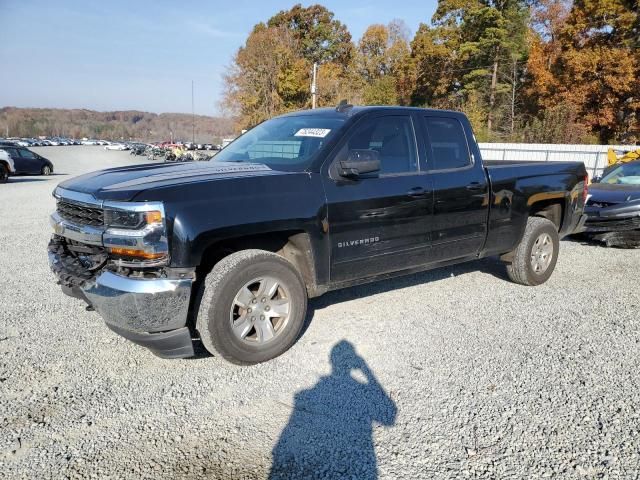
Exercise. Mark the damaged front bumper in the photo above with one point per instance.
(615, 225)
(151, 312)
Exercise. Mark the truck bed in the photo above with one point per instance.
(499, 170)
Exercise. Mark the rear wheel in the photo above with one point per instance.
(253, 307)
(534, 259)
(4, 174)
(46, 170)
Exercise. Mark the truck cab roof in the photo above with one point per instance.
(354, 110)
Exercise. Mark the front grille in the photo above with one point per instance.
(80, 214)
(76, 263)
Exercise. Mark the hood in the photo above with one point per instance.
(124, 183)
(613, 193)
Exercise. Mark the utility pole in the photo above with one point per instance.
(314, 86)
(514, 79)
(193, 117)
(492, 96)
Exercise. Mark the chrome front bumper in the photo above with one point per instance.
(149, 312)
(140, 305)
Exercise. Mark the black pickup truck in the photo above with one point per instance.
(230, 250)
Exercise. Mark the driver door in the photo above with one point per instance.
(378, 223)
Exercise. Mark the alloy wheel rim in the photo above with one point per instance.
(542, 253)
(260, 311)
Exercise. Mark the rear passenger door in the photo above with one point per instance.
(461, 189)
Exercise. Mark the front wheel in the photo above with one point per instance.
(252, 308)
(535, 257)
(46, 170)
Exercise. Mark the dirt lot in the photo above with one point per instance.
(455, 373)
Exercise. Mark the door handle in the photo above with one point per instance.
(475, 187)
(417, 192)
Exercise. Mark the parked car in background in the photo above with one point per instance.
(613, 206)
(137, 148)
(6, 166)
(27, 162)
(116, 146)
(90, 141)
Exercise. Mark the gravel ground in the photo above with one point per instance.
(454, 373)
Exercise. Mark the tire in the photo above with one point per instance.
(4, 174)
(46, 170)
(530, 266)
(233, 289)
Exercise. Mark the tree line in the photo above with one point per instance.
(119, 125)
(550, 71)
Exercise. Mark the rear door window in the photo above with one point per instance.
(448, 143)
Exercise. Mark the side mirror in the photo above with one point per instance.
(596, 179)
(359, 162)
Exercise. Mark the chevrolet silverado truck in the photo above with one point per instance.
(229, 251)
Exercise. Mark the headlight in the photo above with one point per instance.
(129, 219)
(136, 234)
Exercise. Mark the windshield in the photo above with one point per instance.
(625, 174)
(286, 143)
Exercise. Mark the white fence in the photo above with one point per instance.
(593, 156)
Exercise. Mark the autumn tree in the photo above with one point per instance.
(324, 40)
(321, 38)
(584, 59)
(270, 74)
(472, 56)
(559, 123)
(535, 70)
(381, 58)
(599, 68)
(548, 19)
(267, 77)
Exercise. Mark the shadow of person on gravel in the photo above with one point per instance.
(329, 434)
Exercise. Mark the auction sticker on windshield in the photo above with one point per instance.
(312, 132)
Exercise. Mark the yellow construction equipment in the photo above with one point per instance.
(627, 157)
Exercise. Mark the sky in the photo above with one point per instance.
(143, 55)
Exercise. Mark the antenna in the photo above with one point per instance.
(343, 106)
(193, 118)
